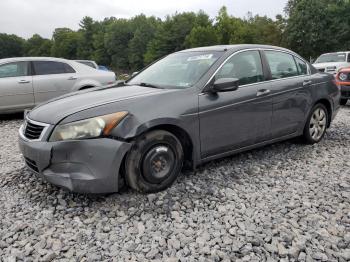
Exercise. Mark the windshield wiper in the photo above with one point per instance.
(150, 85)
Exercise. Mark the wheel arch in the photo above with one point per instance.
(184, 138)
(328, 106)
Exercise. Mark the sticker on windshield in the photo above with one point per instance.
(200, 57)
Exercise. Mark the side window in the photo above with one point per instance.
(51, 68)
(282, 65)
(14, 69)
(348, 57)
(301, 65)
(246, 66)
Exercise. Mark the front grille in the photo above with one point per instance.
(321, 70)
(31, 164)
(33, 131)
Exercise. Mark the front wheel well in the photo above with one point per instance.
(327, 104)
(184, 138)
(86, 87)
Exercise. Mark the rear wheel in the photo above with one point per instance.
(154, 162)
(316, 124)
(343, 101)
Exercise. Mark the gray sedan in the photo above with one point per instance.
(186, 109)
(28, 81)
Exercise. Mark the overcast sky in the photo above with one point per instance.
(27, 17)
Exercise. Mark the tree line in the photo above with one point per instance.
(308, 27)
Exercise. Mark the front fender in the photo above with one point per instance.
(132, 127)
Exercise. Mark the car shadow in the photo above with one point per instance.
(13, 116)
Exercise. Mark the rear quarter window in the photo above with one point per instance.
(51, 68)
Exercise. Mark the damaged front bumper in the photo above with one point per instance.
(82, 166)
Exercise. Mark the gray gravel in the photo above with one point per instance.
(285, 202)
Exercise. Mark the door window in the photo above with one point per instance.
(14, 69)
(51, 68)
(282, 65)
(302, 67)
(245, 66)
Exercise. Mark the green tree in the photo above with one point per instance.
(100, 54)
(65, 43)
(117, 37)
(202, 36)
(317, 26)
(37, 46)
(88, 28)
(144, 30)
(11, 46)
(172, 33)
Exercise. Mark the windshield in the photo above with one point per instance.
(331, 58)
(179, 70)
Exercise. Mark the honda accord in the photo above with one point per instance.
(185, 109)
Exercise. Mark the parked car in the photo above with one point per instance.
(343, 80)
(28, 81)
(188, 108)
(103, 68)
(89, 63)
(332, 62)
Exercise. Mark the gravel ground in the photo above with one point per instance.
(285, 202)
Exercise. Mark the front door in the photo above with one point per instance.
(16, 90)
(237, 119)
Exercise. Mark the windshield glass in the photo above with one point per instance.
(331, 58)
(179, 70)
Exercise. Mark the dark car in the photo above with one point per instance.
(188, 108)
(343, 80)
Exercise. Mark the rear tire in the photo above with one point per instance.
(343, 101)
(154, 162)
(316, 124)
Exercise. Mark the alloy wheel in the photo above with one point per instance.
(318, 124)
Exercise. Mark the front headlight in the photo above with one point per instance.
(343, 76)
(87, 128)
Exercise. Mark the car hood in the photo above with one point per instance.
(57, 109)
(337, 64)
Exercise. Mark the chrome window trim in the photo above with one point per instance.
(23, 126)
(265, 81)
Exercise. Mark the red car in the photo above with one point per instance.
(343, 80)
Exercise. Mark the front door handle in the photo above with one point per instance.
(307, 83)
(73, 78)
(263, 92)
(23, 81)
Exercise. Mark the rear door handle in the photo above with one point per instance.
(263, 92)
(23, 81)
(307, 83)
(73, 78)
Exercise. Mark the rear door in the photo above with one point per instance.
(16, 90)
(289, 91)
(52, 79)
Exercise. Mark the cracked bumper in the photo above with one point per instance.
(82, 166)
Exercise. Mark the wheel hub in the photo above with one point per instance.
(318, 124)
(158, 163)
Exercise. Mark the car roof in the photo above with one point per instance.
(224, 48)
(14, 59)
(81, 60)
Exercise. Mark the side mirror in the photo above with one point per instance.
(134, 74)
(225, 85)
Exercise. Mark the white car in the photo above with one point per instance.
(28, 81)
(332, 62)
